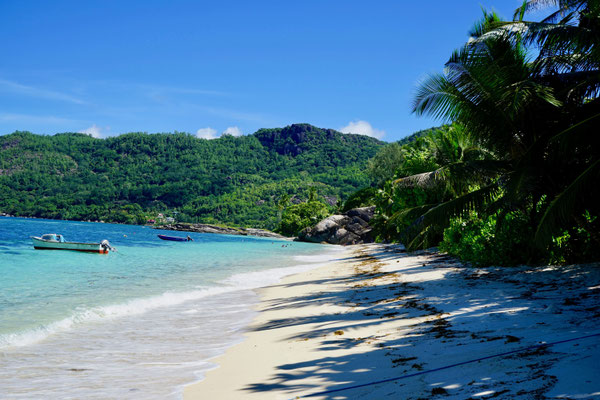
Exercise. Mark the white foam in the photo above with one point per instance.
(257, 279)
(97, 314)
(331, 254)
(241, 281)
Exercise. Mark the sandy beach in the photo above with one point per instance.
(381, 323)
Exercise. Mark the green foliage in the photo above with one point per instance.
(132, 177)
(577, 244)
(363, 198)
(411, 155)
(485, 241)
(428, 175)
(482, 241)
(300, 216)
(522, 151)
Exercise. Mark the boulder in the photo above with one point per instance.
(364, 213)
(351, 227)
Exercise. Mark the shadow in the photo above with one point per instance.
(425, 310)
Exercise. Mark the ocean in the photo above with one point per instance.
(141, 322)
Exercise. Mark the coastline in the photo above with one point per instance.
(155, 309)
(224, 230)
(179, 227)
(426, 323)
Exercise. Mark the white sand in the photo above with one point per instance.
(386, 314)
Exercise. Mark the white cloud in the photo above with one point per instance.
(93, 131)
(362, 128)
(233, 131)
(206, 133)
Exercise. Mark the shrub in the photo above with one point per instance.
(363, 198)
(299, 216)
(482, 241)
(577, 244)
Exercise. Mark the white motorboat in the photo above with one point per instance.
(53, 241)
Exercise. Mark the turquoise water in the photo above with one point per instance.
(163, 307)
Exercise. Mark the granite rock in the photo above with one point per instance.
(351, 227)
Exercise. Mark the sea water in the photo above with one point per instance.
(137, 323)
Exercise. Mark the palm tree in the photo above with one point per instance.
(463, 165)
(530, 120)
(569, 61)
(535, 116)
(489, 87)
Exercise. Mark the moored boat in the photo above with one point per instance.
(176, 238)
(53, 241)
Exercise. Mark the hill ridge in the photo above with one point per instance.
(134, 176)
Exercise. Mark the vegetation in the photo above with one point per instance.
(299, 216)
(512, 179)
(133, 177)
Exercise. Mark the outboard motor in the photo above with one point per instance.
(107, 245)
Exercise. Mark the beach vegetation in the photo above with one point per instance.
(520, 157)
(363, 198)
(299, 216)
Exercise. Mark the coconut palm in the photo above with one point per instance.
(535, 116)
(569, 59)
(488, 88)
(461, 166)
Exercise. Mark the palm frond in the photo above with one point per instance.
(576, 135)
(564, 6)
(423, 180)
(410, 214)
(441, 214)
(561, 210)
(435, 218)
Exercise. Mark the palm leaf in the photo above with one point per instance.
(561, 210)
(437, 217)
(441, 214)
(423, 180)
(576, 135)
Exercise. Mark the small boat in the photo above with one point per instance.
(176, 238)
(53, 241)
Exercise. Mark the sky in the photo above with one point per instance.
(214, 67)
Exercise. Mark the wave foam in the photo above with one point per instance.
(241, 281)
(97, 314)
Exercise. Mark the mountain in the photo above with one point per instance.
(135, 176)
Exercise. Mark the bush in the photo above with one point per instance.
(299, 216)
(481, 241)
(576, 245)
(363, 198)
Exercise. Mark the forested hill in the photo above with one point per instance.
(134, 176)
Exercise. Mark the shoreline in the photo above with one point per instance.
(180, 227)
(223, 230)
(154, 310)
(380, 314)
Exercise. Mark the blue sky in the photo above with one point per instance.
(110, 67)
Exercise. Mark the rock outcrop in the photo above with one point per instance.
(206, 228)
(351, 227)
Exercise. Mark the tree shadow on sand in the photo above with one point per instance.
(453, 315)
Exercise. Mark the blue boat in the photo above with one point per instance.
(176, 238)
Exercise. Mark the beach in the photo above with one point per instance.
(138, 323)
(382, 323)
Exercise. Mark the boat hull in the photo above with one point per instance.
(40, 244)
(173, 238)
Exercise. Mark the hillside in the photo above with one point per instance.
(230, 180)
